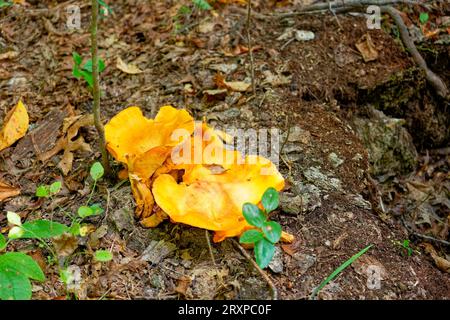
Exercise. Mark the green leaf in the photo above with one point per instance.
(55, 187)
(43, 229)
(264, 251)
(42, 191)
(251, 236)
(76, 58)
(75, 229)
(103, 4)
(272, 231)
(88, 77)
(85, 211)
(270, 199)
(14, 285)
(88, 65)
(339, 270)
(423, 18)
(253, 215)
(5, 4)
(184, 10)
(21, 263)
(97, 171)
(2, 242)
(202, 4)
(103, 255)
(96, 209)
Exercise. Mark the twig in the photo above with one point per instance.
(325, 6)
(261, 272)
(249, 43)
(434, 79)
(431, 238)
(96, 89)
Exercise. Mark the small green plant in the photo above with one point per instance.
(104, 8)
(16, 270)
(405, 246)
(15, 282)
(103, 256)
(5, 3)
(202, 4)
(268, 233)
(47, 191)
(85, 71)
(424, 17)
(341, 268)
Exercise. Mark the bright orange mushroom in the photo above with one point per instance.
(189, 174)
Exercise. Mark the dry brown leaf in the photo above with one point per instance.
(15, 125)
(71, 125)
(441, 263)
(9, 55)
(238, 86)
(7, 191)
(65, 244)
(127, 67)
(183, 284)
(367, 49)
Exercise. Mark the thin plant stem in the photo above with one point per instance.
(96, 89)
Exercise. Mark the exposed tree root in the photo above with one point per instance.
(433, 78)
(350, 5)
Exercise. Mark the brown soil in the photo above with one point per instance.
(325, 76)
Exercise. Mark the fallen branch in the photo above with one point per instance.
(327, 6)
(261, 272)
(433, 78)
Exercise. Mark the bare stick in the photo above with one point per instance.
(261, 272)
(323, 7)
(249, 43)
(434, 79)
(96, 89)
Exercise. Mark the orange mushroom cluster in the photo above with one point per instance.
(183, 169)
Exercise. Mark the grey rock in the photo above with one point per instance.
(297, 134)
(358, 200)
(224, 67)
(304, 261)
(157, 251)
(276, 265)
(335, 160)
(122, 219)
(304, 35)
(390, 146)
(321, 180)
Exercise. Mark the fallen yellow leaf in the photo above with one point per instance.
(15, 126)
(127, 67)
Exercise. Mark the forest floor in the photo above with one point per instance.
(334, 204)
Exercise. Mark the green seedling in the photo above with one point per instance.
(5, 4)
(84, 71)
(267, 233)
(202, 4)
(103, 256)
(424, 17)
